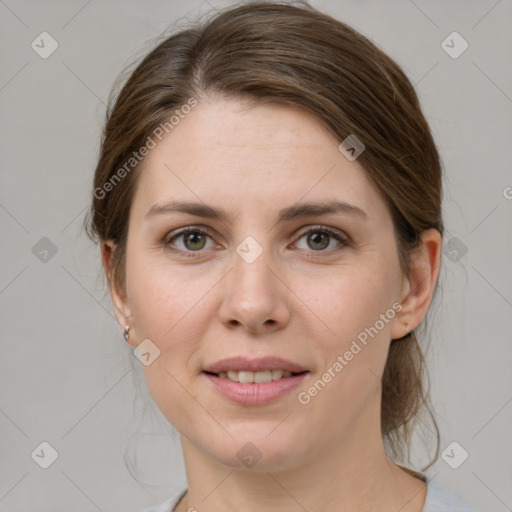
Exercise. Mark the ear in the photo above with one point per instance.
(117, 292)
(419, 285)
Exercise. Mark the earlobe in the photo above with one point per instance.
(419, 286)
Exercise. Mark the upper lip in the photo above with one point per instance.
(240, 363)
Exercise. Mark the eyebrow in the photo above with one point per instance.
(287, 214)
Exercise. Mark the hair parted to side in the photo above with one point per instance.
(278, 52)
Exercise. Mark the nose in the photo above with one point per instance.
(255, 296)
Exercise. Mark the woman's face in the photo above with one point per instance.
(255, 285)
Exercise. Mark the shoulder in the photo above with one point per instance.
(440, 499)
(168, 505)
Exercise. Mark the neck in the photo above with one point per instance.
(354, 476)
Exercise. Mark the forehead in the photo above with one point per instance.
(247, 155)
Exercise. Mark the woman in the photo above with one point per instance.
(291, 370)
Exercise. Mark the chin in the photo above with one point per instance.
(259, 452)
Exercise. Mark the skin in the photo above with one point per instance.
(253, 160)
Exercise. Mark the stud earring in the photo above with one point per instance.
(126, 333)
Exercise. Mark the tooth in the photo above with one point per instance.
(265, 376)
(254, 377)
(245, 377)
(233, 375)
(277, 374)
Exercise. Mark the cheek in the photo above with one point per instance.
(357, 309)
(350, 302)
(159, 296)
(353, 350)
(169, 311)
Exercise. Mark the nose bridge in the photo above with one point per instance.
(251, 276)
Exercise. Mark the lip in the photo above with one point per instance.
(255, 393)
(240, 363)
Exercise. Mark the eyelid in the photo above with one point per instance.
(327, 229)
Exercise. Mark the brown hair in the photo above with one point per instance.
(290, 54)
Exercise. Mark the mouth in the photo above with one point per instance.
(256, 381)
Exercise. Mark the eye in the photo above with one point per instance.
(194, 240)
(318, 238)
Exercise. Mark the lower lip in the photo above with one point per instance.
(252, 393)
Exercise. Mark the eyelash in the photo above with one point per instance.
(344, 242)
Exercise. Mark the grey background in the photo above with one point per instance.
(67, 376)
